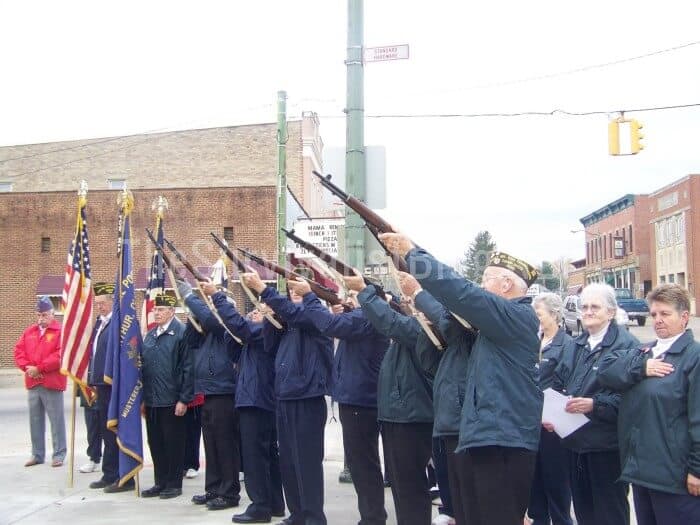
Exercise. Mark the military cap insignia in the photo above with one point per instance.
(165, 300)
(519, 267)
(103, 288)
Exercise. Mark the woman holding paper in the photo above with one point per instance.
(550, 495)
(659, 423)
(594, 457)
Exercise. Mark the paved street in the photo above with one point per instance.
(39, 494)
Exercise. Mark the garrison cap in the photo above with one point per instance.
(44, 304)
(165, 300)
(103, 288)
(515, 265)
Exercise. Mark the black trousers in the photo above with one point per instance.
(94, 436)
(193, 434)
(110, 457)
(263, 480)
(408, 447)
(220, 428)
(457, 480)
(599, 499)
(550, 495)
(301, 425)
(442, 478)
(361, 444)
(496, 484)
(166, 439)
(654, 507)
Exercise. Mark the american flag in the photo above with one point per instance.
(77, 296)
(156, 283)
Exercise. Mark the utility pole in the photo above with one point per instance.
(281, 186)
(355, 135)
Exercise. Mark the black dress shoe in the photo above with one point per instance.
(201, 499)
(250, 518)
(99, 484)
(170, 493)
(220, 503)
(153, 492)
(114, 487)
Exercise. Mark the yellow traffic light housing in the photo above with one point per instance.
(625, 141)
(635, 136)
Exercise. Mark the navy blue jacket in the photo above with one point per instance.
(256, 366)
(167, 369)
(216, 355)
(577, 375)
(96, 370)
(659, 421)
(451, 376)
(551, 357)
(503, 402)
(404, 392)
(358, 356)
(304, 356)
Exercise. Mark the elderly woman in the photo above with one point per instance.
(594, 458)
(550, 495)
(659, 422)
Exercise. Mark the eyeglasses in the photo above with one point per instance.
(594, 308)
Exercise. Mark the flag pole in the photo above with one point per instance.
(71, 453)
(82, 195)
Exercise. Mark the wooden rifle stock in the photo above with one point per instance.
(232, 256)
(321, 291)
(338, 265)
(180, 257)
(166, 258)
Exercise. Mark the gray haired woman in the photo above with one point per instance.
(550, 495)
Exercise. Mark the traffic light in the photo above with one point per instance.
(636, 137)
(614, 137)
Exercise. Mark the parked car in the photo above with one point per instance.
(637, 309)
(572, 316)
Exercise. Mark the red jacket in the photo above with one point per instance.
(42, 352)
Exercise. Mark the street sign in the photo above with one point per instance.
(379, 54)
(323, 233)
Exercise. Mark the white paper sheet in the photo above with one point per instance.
(554, 412)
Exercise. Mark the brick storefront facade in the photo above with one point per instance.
(617, 242)
(675, 216)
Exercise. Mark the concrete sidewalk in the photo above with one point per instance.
(39, 494)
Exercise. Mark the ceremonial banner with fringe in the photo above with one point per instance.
(123, 364)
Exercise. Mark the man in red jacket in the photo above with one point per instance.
(38, 355)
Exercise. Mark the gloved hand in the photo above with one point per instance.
(184, 288)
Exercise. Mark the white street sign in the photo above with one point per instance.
(378, 54)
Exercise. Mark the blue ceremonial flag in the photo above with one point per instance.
(123, 364)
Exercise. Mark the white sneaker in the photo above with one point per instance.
(443, 519)
(191, 473)
(90, 466)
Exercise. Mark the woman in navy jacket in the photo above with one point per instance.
(659, 422)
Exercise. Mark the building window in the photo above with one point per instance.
(228, 233)
(5, 187)
(662, 279)
(671, 278)
(46, 245)
(681, 279)
(116, 184)
(680, 229)
(630, 238)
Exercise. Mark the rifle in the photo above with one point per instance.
(200, 278)
(241, 269)
(173, 273)
(321, 291)
(376, 225)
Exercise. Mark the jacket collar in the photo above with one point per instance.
(559, 337)
(608, 339)
(679, 345)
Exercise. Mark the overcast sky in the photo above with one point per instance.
(95, 69)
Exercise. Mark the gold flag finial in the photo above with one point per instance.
(125, 200)
(160, 205)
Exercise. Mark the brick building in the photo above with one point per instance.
(617, 246)
(674, 216)
(219, 179)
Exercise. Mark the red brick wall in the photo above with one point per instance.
(27, 217)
